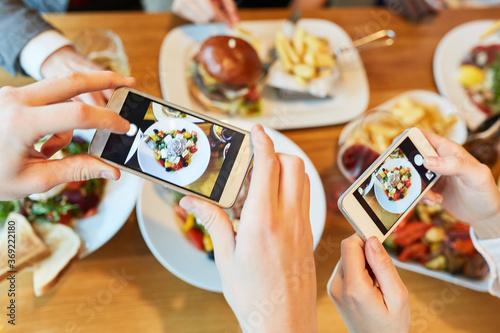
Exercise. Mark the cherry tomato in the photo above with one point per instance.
(195, 236)
(252, 95)
(65, 218)
(74, 186)
(193, 149)
(463, 246)
(193, 133)
(411, 233)
(413, 251)
(396, 195)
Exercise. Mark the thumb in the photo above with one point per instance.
(217, 224)
(393, 289)
(450, 165)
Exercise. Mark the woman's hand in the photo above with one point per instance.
(267, 270)
(466, 189)
(367, 289)
(68, 60)
(34, 111)
(204, 11)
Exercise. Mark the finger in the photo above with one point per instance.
(393, 289)
(432, 198)
(336, 283)
(442, 145)
(68, 116)
(306, 199)
(266, 169)
(353, 259)
(107, 94)
(41, 177)
(55, 143)
(94, 99)
(197, 14)
(217, 224)
(62, 88)
(231, 11)
(291, 181)
(452, 166)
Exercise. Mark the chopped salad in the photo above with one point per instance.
(63, 204)
(479, 74)
(436, 239)
(174, 149)
(396, 182)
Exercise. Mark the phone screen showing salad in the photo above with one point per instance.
(394, 185)
(174, 146)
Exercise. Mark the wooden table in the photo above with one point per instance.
(154, 300)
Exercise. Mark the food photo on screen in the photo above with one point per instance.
(177, 147)
(394, 185)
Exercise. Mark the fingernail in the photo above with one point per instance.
(108, 175)
(429, 202)
(186, 204)
(432, 161)
(375, 244)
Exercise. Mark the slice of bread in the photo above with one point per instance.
(29, 248)
(64, 245)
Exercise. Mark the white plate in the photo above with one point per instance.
(161, 232)
(398, 207)
(113, 211)
(181, 44)
(457, 133)
(478, 285)
(186, 175)
(450, 53)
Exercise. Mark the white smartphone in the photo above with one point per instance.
(384, 194)
(170, 145)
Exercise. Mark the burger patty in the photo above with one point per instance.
(216, 91)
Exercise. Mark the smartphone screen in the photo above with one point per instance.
(394, 185)
(179, 148)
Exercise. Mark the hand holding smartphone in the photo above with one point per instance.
(384, 194)
(186, 151)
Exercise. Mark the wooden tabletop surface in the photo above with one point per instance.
(149, 298)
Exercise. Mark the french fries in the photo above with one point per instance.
(305, 56)
(411, 113)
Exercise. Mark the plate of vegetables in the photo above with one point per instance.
(434, 243)
(95, 209)
(182, 245)
(175, 150)
(467, 69)
(398, 186)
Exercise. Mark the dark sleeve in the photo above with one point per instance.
(18, 25)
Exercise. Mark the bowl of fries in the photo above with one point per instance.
(366, 137)
(305, 63)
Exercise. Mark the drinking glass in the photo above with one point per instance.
(104, 48)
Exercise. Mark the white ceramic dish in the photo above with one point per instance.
(161, 232)
(398, 207)
(113, 211)
(449, 54)
(478, 285)
(457, 133)
(181, 44)
(186, 175)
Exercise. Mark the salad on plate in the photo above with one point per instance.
(174, 149)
